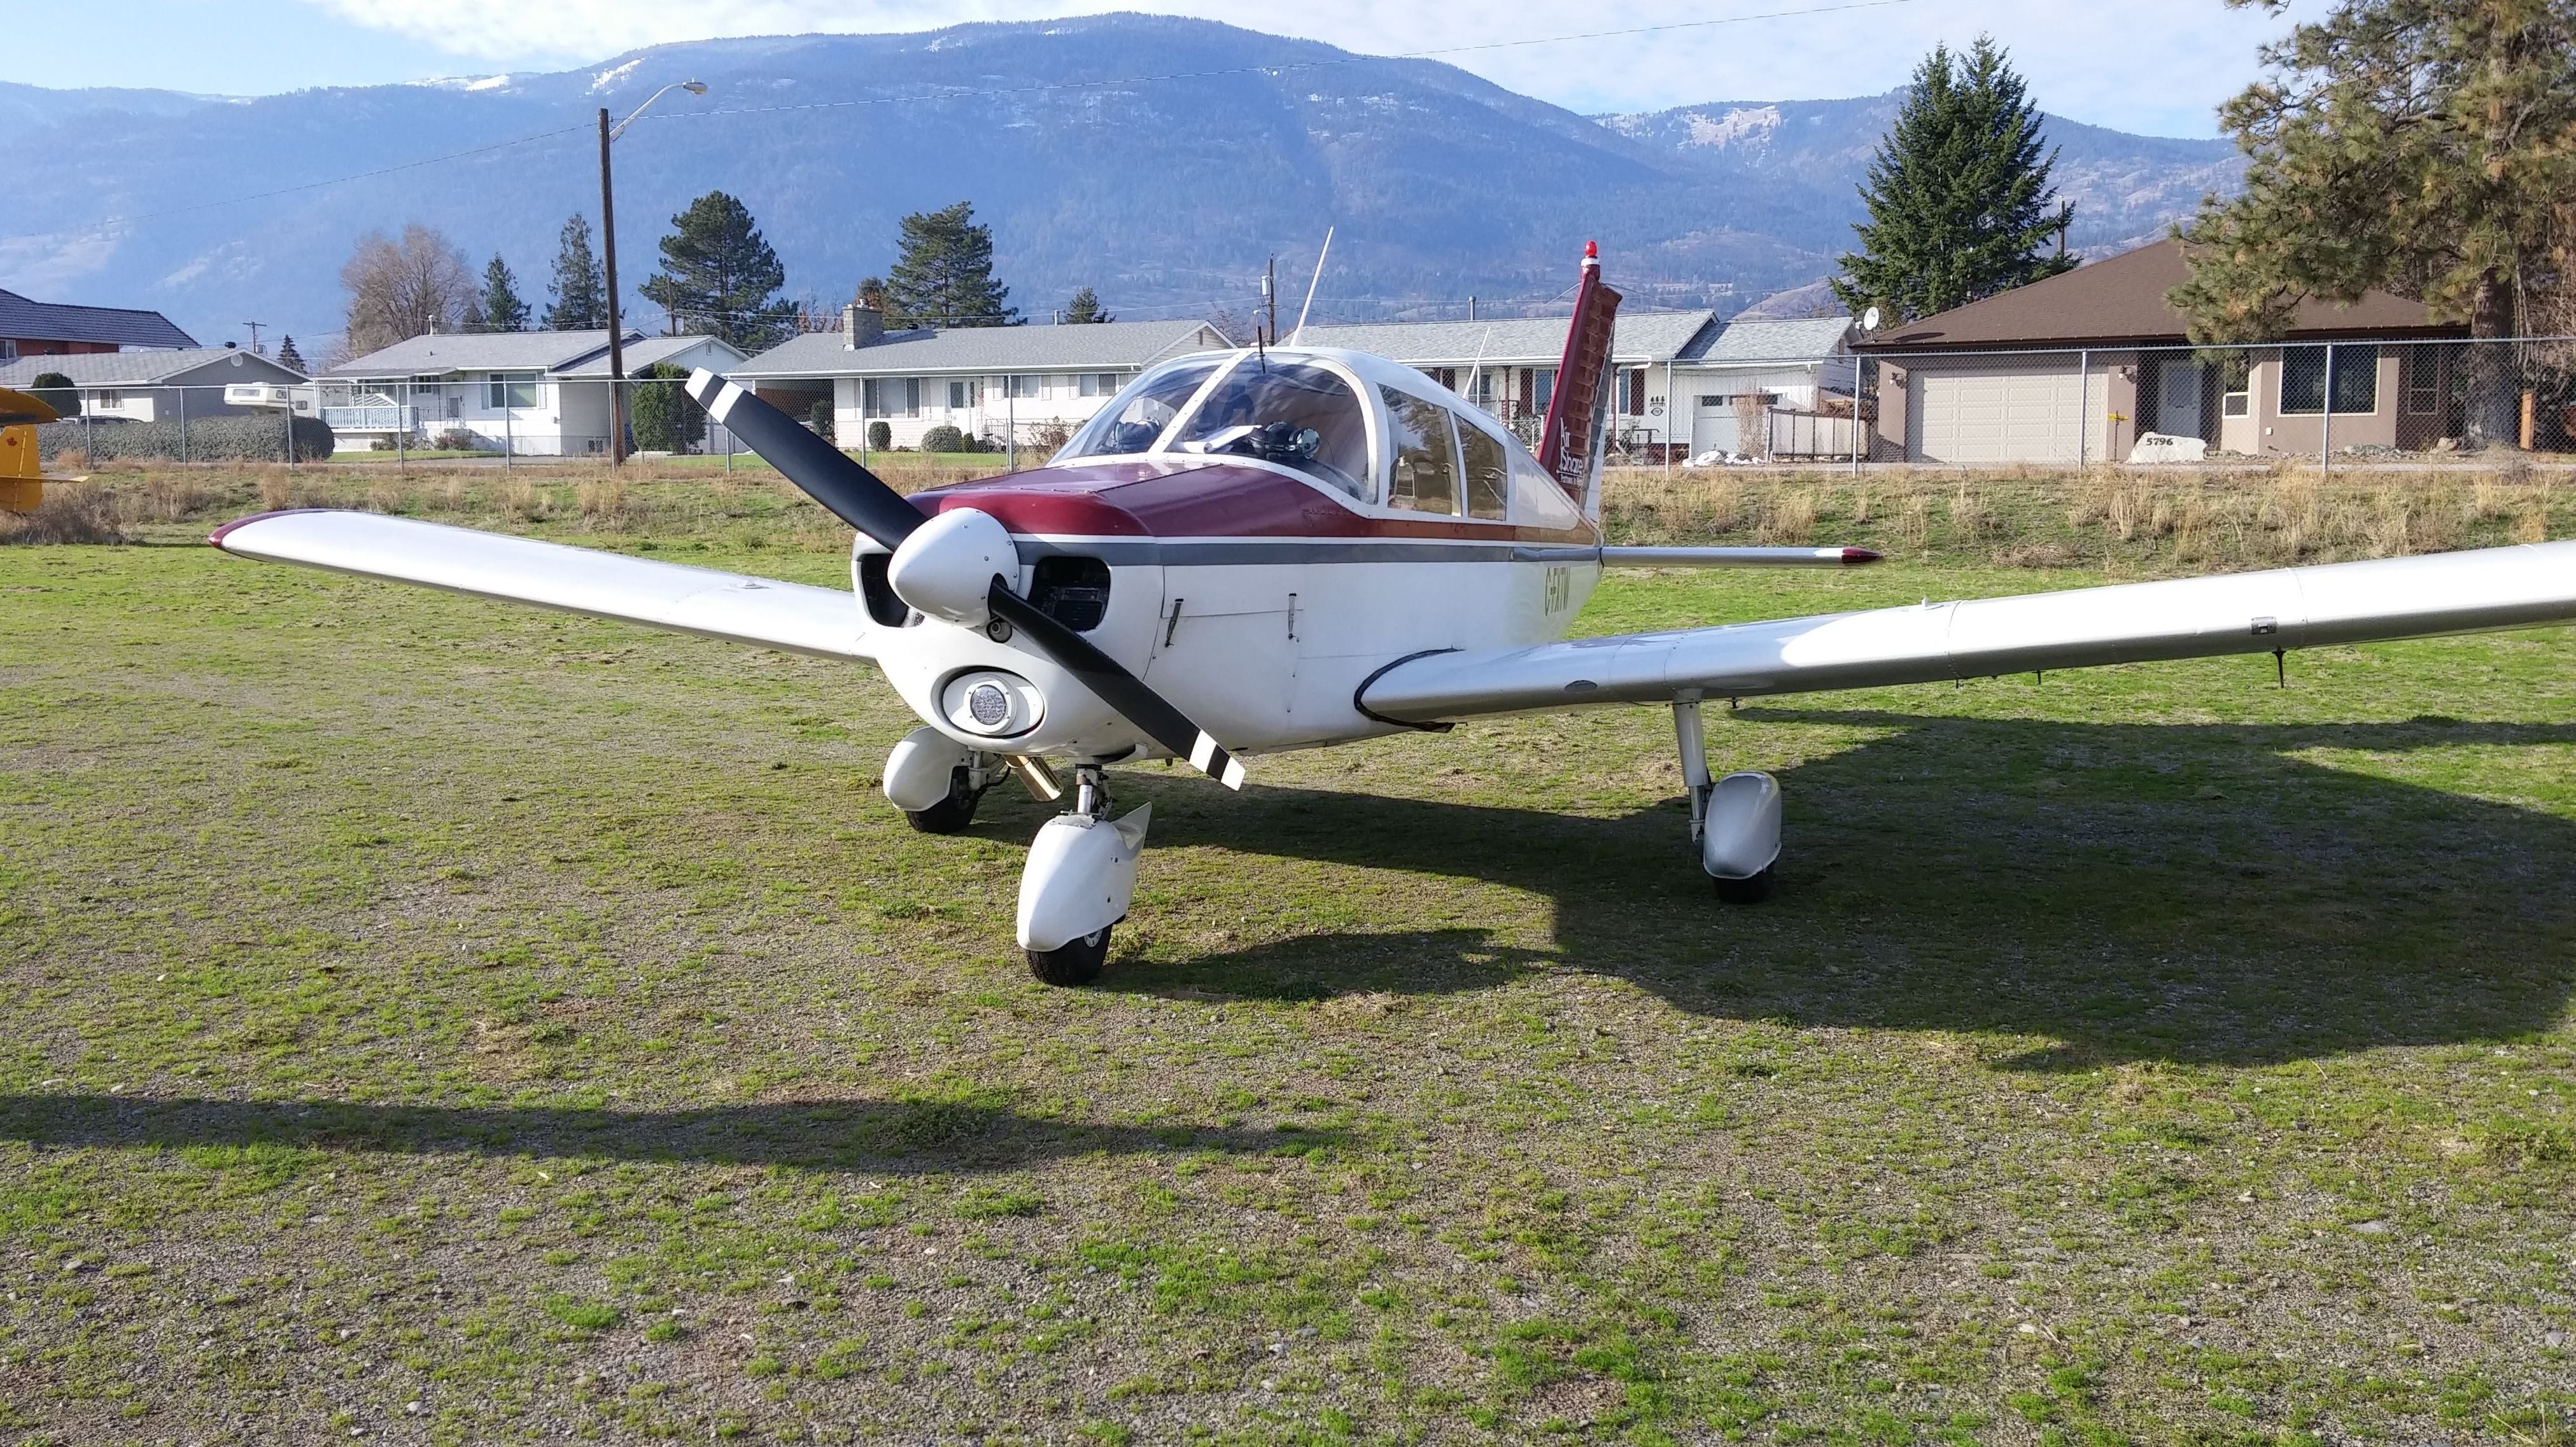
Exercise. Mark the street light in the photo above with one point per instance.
(608, 248)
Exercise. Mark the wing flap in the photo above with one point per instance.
(2080, 628)
(824, 622)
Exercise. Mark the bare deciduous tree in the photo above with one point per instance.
(403, 289)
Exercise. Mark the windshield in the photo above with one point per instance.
(1137, 416)
(1296, 414)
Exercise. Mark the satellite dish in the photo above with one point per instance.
(1869, 320)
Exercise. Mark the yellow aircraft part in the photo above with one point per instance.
(22, 484)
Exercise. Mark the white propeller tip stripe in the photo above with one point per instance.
(1202, 752)
(722, 406)
(701, 382)
(1233, 774)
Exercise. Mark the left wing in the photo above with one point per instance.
(2287, 608)
(794, 616)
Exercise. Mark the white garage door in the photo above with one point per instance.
(2017, 410)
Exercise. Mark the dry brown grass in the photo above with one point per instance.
(2104, 517)
(71, 513)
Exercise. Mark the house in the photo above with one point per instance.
(541, 394)
(52, 329)
(1037, 383)
(1729, 375)
(2074, 368)
(152, 386)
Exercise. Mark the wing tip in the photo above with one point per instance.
(216, 538)
(1861, 557)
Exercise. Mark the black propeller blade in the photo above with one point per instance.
(861, 499)
(853, 494)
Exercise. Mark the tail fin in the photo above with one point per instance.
(1577, 430)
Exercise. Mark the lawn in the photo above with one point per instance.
(433, 1021)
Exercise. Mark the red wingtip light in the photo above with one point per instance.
(1854, 557)
(1592, 252)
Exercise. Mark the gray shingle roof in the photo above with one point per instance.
(645, 353)
(1641, 337)
(478, 351)
(46, 321)
(1803, 339)
(1105, 345)
(144, 369)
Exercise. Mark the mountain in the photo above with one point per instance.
(1159, 160)
(1813, 154)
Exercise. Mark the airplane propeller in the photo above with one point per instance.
(860, 498)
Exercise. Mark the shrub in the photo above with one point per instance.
(944, 438)
(819, 417)
(55, 390)
(208, 439)
(456, 439)
(881, 436)
(665, 418)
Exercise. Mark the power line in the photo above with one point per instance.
(1281, 68)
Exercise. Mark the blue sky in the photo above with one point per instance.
(2157, 66)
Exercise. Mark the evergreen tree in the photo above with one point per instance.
(2417, 146)
(944, 277)
(1084, 308)
(666, 418)
(579, 292)
(287, 356)
(503, 311)
(872, 292)
(1959, 202)
(719, 276)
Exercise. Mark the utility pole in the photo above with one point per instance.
(254, 338)
(1270, 297)
(608, 266)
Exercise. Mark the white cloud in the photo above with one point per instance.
(2152, 65)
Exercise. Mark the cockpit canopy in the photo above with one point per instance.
(1371, 430)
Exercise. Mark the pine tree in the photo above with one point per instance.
(666, 419)
(1084, 309)
(2422, 147)
(719, 276)
(503, 311)
(580, 294)
(287, 356)
(1959, 202)
(944, 277)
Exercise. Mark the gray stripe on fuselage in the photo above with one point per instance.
(1119, 552)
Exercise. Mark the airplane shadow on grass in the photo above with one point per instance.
(880, 1137)
(2120, 892)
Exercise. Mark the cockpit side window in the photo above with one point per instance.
(1426, 460)
(1134, 419)
(1489, 473)
(1295, 414)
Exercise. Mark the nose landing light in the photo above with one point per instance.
(991, 703)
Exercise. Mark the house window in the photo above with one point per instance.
(8, 349)
(1099, 384)
(501, 390)
(2356, 379)
(965, 392)
(1020, 386)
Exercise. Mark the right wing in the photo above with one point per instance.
(794, 616)
(2127, 623)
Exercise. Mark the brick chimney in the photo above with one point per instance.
(861, 326)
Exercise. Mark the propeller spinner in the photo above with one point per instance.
(940, 569)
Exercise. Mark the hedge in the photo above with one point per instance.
(210, 439)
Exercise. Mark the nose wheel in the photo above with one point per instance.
(1080, 875)
(1076, 963)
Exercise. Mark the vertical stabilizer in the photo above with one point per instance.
(1577, 430)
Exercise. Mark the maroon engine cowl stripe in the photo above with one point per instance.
(1159, 500)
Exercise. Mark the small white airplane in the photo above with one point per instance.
(1282, 548)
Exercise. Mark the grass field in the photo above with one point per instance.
(431, 1021)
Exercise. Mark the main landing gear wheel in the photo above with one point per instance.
(1744, 891)
(951, 815)
(1076, 963)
